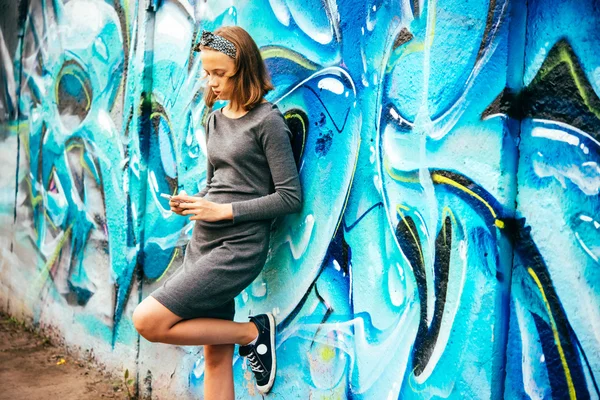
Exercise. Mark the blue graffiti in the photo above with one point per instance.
(449, 243)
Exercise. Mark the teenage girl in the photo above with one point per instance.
(251, 178)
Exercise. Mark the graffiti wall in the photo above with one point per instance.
(449, 242)
(554, 315)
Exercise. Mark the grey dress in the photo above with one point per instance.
(250, 165)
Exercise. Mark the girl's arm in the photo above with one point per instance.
(275, 138)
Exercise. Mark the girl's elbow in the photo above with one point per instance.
(297, 205)
(294, 203)
(292, 200)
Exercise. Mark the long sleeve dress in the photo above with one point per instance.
(250, 165)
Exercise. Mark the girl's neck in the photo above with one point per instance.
(234, 110)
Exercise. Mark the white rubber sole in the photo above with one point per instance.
(267, 388)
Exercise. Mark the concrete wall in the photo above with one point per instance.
(449, 242)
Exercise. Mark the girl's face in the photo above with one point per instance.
(218, 68)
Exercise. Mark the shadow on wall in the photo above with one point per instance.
(409, 272)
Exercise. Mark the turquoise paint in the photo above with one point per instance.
(448, 246)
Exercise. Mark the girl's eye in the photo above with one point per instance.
(206, 75)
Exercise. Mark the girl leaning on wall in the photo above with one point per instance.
(251, 178)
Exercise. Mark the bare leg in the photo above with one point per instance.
(157, 323)
(218, 374)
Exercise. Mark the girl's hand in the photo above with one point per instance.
(203, 210)
(174, 204)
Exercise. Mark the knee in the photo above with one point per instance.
(143, 321)
(218, 356)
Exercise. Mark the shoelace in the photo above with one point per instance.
(254, 363)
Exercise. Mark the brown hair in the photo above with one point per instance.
(250, 80)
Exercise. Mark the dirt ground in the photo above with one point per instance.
(32, 368)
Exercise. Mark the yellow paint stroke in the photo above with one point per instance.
(87, 95)
(82, 160)
(440, 179)
(15, 127)
(564, 57)
(278, 52)
(73, 145)
(43, 275)
(447, 211)
(413, 178)
(164, 118)
(411, 48)
(304, 128)
(51, 179)
(34, 199)
(122, 88)
(127, 26)
(327, 353)
(175, 253)
(415, 235)
(437, 178)
(25, 136)
(572, 394)
(415, 46)
(49, 219)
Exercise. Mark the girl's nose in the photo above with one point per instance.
(212, 82)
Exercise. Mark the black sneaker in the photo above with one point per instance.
(261, 355)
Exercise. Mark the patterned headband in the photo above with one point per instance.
(216, 42)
